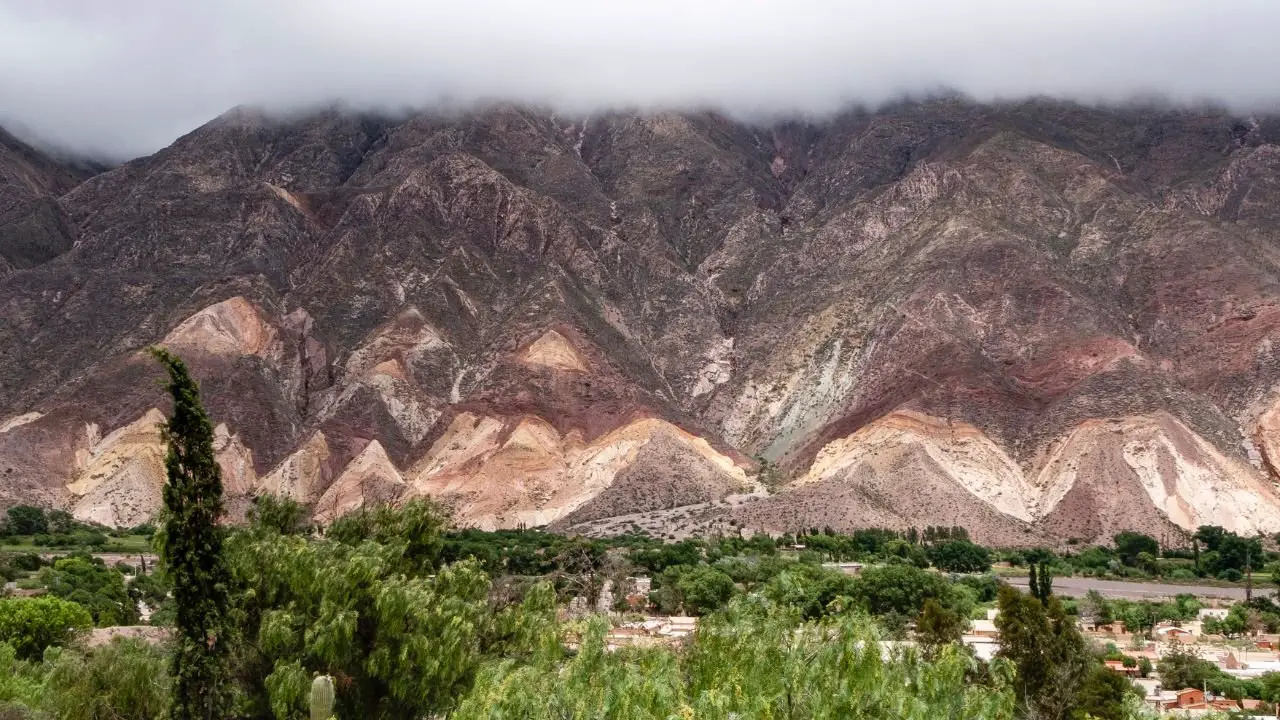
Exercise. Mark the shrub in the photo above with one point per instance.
(123, 679)
(27, 520)
(751, 660)
(88, 582)
(32, 624)
(29, 562)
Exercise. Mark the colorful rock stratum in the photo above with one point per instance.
(1038, 320)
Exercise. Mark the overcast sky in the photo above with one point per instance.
(126, 77)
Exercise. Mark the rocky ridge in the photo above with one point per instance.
(1044, 320)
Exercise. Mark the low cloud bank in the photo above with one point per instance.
(127, 78)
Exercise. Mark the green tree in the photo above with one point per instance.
(27, 520)
(938, 627)
(1102, 696)
(21, 684)
(1140, 618)
(1210, 536)
(810, 589)
(1147, 563)
(30, 625)
(61, 522)
(1183, 607)
(281, 514)
(1269, 687)
(1240, 619)
(370, 605)
(1183, 669)
(1050, 655)
(960, 556)
(101, 590)
(1097, 559)
(1130, 544)
(1239, 553)
(191, 551)
(754, 659)
(901, 589)
(1097, 608)
(705, 589)
(1040, 582)
(1144, 667)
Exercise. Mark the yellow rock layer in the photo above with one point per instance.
(369, 479)
(554, 351)
(960, 450)
(503, 473)
(1187, 479)
(233, 327)
(235, 460)
(1267, 437)
(19, 421)
(302, 476)
(119, 477)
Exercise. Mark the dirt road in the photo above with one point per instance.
(1078, 586)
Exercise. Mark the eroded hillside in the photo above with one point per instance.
(1040, 320)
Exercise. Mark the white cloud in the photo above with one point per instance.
(130, 75)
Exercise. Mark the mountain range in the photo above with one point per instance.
(1042, 321)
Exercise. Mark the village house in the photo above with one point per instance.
(654, 631)
(1172, 633)
(1250, 704)
(1119, 667)
(984, 629)
(1190, 701)
(848, 568)
(1185, 699)
(984, 648)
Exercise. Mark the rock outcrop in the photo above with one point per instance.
(505, 472)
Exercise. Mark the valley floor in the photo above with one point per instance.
(1079, 586)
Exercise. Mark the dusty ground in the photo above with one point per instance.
(1078, 586)
(149, 633)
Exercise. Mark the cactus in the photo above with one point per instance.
(322, 698)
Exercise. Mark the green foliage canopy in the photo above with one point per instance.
(87, 581)
(29, 625)
(366, 603)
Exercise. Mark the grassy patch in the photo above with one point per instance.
(127, 544)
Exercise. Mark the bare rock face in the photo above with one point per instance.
(553, 351)
(33, 225)
(370, 479)
(304, 475)
(231, 328)
(120, 476)
(1039, 320)
(504, 472)
(1157, 471)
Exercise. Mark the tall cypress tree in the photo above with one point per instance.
(1044, 588)
(191, 549)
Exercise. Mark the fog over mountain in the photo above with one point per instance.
(127, 78)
